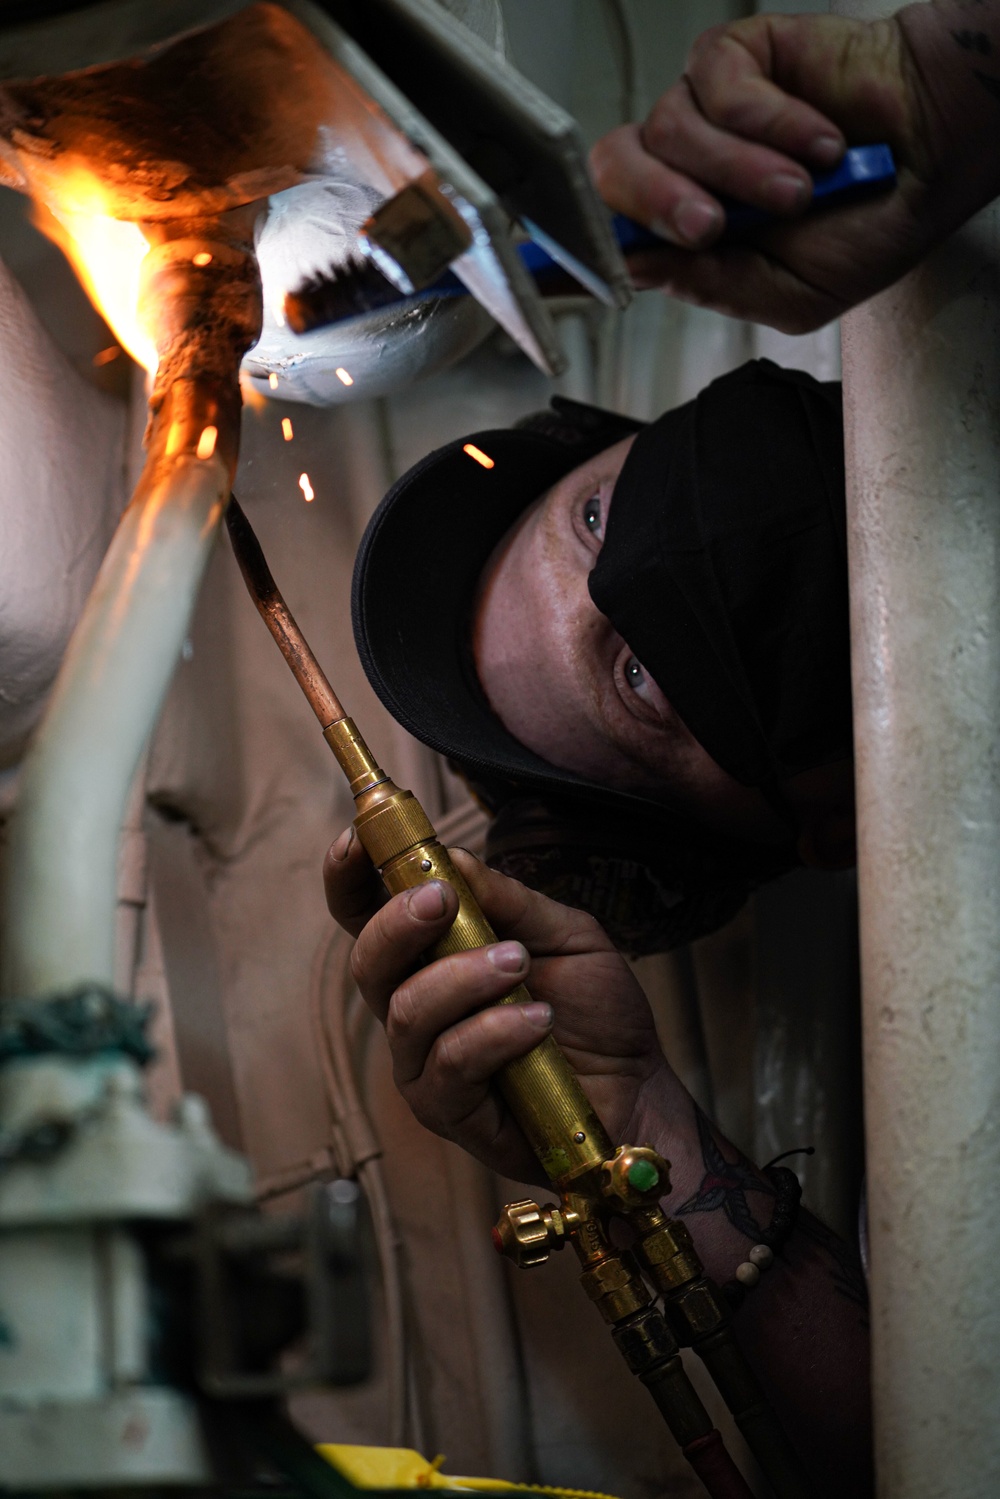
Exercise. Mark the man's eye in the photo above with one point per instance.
(593, 517)
(634, 675)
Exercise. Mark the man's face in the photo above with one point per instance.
(562, 680)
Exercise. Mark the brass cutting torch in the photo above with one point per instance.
(595, 1180)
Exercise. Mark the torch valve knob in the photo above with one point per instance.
(637, 1176)
(527, 1233)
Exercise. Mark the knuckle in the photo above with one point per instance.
(741, 116)
(402, 1014)
(728, 114)
(451, 1057)
(583, 933)
(605, 153)
(708, 45)
(357, 966)
(664, 124)
(423, 1109)
(430, 1120)
(601, 164)
(591, 928)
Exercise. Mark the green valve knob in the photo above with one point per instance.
(643, 1176)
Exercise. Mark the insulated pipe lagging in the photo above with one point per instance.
(61, 885)
(61, 897)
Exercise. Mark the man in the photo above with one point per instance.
(633, 641)
(502, 597)
(763, 100)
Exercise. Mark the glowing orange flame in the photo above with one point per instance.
(107, 255)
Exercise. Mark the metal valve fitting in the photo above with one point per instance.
(636, 1176)
(527, 1233)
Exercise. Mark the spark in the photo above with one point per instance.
(106, 356)
(343, 376)
(203, 257)
(272, 380)
(308, 492)
(286, 428)
(478, 455)
(279, 312)
(206, 442)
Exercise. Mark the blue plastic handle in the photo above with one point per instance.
(862, 168)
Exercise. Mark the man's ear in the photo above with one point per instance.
(827, 837)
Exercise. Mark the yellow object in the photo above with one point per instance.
(402, 1468)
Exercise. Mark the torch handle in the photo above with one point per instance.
(541, 1088)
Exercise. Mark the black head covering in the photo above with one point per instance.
(724, 567)
(651, 875)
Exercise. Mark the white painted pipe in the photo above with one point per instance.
(922, 397)
(203, 311)
(61, 895)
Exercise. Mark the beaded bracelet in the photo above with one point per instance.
(788, 1192)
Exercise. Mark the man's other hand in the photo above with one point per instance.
(764, 102)
(446, 1047)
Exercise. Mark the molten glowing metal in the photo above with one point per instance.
(107, 255)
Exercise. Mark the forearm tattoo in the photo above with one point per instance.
(724, 1188)
(725, 1185)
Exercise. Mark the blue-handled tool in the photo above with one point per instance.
(360, 287)
(862, 169)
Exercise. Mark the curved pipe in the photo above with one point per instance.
(203, 311)
(60, 900)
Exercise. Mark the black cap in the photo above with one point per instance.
(418, 568)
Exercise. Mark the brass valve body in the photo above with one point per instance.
(527, 1233)
(636, 1176)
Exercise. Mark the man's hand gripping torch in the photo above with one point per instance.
(595, 1181)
